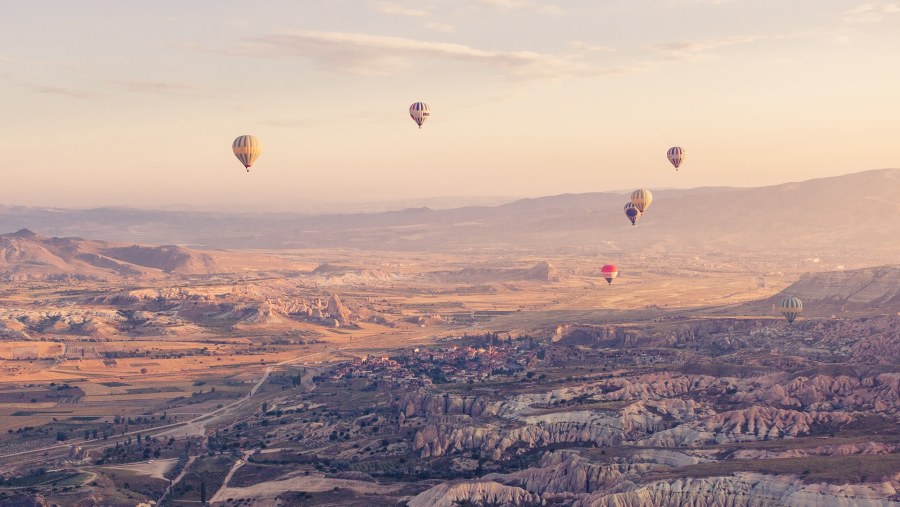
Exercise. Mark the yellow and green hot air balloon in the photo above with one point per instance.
(791, 308)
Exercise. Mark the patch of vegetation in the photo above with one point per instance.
(41, 476)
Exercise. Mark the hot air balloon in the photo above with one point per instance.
(791, 308)
(247, 149)
(676, 156)
(632, 212)
(419, 112)
(642, 199)
(609, 272)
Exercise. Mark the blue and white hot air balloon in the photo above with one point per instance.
(632, 212)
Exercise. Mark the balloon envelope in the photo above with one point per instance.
(632, 212)
(419, 112)
(247, 149)
(609, 272)
(642, 199)
(675, 156)
(791, 308)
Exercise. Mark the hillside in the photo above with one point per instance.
(850, 214)
(26, 254)
(874, 290)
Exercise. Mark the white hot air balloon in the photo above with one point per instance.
(675, 156)
(419, 112)
(247, 149)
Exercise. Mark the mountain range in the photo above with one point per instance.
(856, 214)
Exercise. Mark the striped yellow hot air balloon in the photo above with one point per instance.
(247, 149)
(791, 308)
(641, 198)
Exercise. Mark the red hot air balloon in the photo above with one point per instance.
(609, 272)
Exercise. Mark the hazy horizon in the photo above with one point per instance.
(437, 202)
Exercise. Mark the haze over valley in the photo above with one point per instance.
(466, 355)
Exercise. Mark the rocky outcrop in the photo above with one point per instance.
(542, 272)
(744, 490)
(877, 393)
(567, 472)
(430, 404)
(336, 310)
(754, 423)
(476, 492)
(264, 313)
(633, 423)
(867, 449)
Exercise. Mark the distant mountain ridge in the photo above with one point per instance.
(854, 213)
(866, 291)
(26, 254)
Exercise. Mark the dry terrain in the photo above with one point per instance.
(489, 376)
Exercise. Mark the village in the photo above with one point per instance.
(445, 364)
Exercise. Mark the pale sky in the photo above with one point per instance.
(136, 103)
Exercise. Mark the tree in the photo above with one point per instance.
(202, 492)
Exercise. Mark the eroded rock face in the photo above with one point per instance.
(478, 492)
(868, 340)
(430, 405)
(336, 309)
(567, 478)
(875, 393)
(866, 448)
(567, 472)
(755, 423)
(663, 422)
(743, 490)
(672, 422)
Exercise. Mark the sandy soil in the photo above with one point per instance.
(157, 469)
